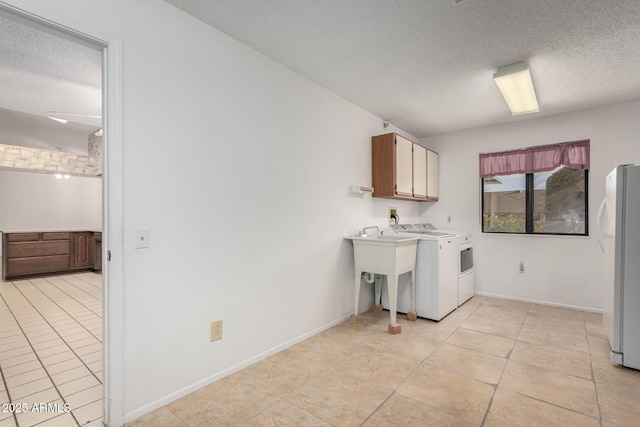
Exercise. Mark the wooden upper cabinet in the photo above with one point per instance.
(400, 169)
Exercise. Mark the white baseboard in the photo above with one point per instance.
(535, 301)
(219, 375)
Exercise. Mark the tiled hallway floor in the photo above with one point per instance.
(490, 363)
(51, 351)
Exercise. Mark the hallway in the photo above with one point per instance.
(51, 351)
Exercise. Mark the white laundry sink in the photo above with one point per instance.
(385, 255)
(390, 255)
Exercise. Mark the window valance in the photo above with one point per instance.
(542, 158)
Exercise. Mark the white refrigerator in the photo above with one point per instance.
(618, 231)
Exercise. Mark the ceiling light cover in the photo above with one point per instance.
(514, 81)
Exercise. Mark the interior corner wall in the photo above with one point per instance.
(563, 271)
(37, 201)
(240, 170)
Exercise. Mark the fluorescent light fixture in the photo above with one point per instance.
(63, 121)
(514, 81)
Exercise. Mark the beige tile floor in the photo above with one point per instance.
(51, 351)
(492, 362)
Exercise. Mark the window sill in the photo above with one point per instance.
(570, 236)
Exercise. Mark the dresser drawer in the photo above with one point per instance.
(37, 249)
(23, 266)
(23, 237)
(27, 253)
(56, 236)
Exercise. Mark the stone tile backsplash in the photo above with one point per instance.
(35, 159)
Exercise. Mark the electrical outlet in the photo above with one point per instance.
(216, 330)
(393, 215)
(521, 267)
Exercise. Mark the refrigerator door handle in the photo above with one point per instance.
(599, 230)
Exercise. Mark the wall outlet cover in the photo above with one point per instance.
(216, 331)
(393, 211)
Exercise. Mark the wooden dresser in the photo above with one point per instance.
(31, 253)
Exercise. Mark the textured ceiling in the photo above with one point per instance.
(427, 66)
(42, 73)
(423, 65)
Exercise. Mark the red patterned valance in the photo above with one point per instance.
(542, 158)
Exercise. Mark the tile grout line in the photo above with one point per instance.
(4, 381)
(73, 297)
(81, 277)
(52, 300)
(598, 419)
(393, 392)
(593, 377)
(39, 360)
(507, 358)
(425, 360)
(528, 317)
(63, 309)
(56, 332)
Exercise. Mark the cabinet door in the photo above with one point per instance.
(419, 171)
(82, 243)
(97, 251)
(432, 175)
(404, 166)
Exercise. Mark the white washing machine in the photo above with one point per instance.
(444, 271)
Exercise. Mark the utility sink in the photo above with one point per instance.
(384, 255)
(381, 237)
(390, 255)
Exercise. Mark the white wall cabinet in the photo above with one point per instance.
(403, 166)
(420, 163)
(402, 169)
(432, 171)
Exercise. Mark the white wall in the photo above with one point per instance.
(30, 200)
(558, 270)
(241, 170)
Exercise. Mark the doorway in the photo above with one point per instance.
(111, 279)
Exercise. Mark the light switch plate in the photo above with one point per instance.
(142, 238)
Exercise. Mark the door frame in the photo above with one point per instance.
(112, 190)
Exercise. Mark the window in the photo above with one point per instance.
(504, 204)
(534, 200)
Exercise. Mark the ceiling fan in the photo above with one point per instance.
(64, 118)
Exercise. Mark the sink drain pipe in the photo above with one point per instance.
(369, 277)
